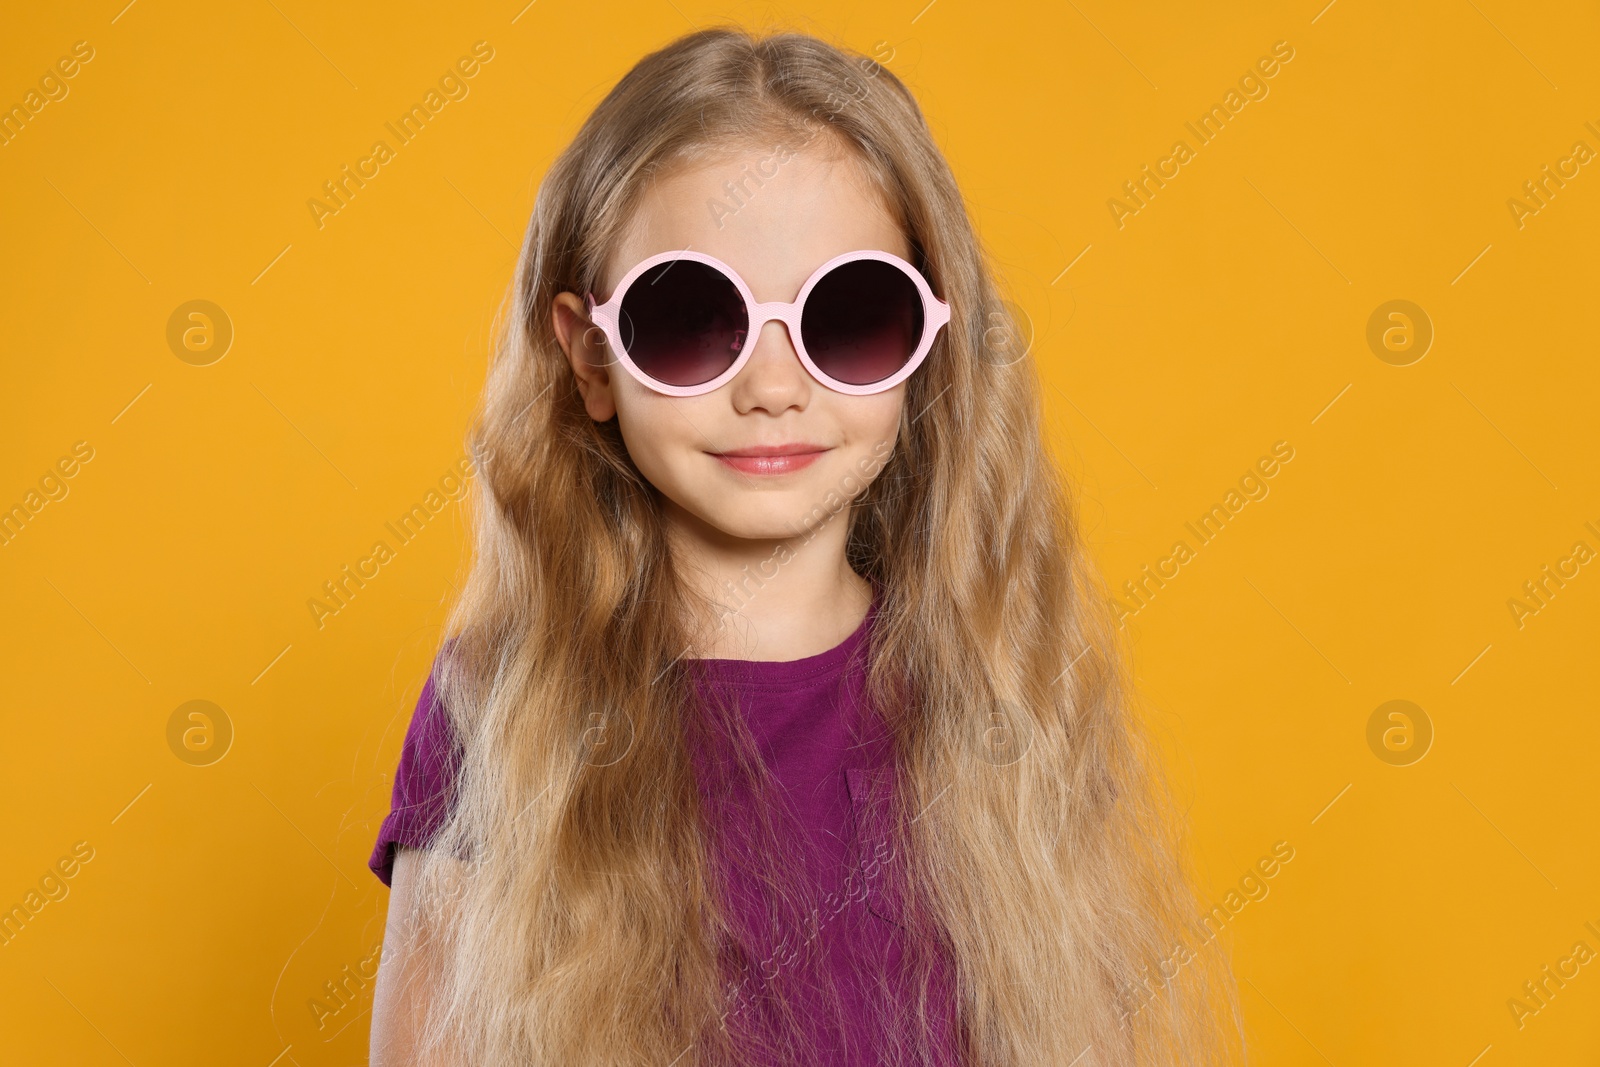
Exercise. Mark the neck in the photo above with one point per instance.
(768, 598)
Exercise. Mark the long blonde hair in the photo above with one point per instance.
(584, 930)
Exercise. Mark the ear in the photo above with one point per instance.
(585, 347)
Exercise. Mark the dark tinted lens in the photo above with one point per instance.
(683, 322)
(862, 321)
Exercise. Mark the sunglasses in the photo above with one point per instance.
(684, 323)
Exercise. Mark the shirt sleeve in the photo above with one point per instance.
(423, 783)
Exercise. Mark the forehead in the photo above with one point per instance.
(774, 214)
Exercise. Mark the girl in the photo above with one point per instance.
(782, 719)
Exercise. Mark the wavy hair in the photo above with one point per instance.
(571, 899)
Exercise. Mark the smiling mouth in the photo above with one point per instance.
(771, 459)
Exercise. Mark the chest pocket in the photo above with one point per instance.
(874, 861)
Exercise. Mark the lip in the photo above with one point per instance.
(771, 459)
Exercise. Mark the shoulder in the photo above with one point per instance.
(424, 781)
(430, 746)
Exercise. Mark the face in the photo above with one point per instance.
(817, 206)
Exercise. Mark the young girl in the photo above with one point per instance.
(783, 719)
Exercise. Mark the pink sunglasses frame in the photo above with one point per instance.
(935, 316)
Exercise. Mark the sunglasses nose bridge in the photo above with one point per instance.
(781, 310)
(775, 311)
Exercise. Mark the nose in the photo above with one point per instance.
(774, 380)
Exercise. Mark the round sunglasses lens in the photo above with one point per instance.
(683, 322)
(862, 321)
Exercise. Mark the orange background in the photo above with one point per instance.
(1229, 313)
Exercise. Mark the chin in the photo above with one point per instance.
(766, 527)
(762, 521)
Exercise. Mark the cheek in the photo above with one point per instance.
(659, 432)
(869, 429)
(867, 420)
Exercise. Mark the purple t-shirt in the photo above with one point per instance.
(833, 763)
